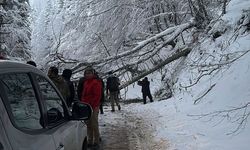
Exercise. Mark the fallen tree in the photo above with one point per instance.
(173, 33)
(175, 56)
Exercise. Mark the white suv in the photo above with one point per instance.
(33, 114)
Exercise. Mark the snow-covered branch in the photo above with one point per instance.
(173, 57)
(167, 13)
(172, 33)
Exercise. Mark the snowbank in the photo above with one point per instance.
(213, 122)
(172, 121)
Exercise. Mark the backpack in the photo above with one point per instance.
(113, 84)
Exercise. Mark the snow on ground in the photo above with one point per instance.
(233, 8)
(123, 130)
(174, 119)
(171, 121)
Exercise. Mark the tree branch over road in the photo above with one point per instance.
(173, 32)
(175, 56)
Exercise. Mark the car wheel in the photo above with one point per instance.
(85, 144)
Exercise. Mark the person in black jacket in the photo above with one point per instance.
(67, 73)
(80, 87)
(145, 90)
(112, 89)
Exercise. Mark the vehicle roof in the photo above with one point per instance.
(7, 66)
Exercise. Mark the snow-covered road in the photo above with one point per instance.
(123, 130)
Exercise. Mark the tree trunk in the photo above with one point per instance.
(175, 56)
(224, 7)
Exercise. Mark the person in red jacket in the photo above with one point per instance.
(91, 94)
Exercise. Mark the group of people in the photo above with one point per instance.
(63, 83)
(90, 90)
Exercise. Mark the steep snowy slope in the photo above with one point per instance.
(210, 106)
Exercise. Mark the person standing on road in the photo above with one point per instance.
(145, 90)
(112, 88)
(91, 94)
(80, 86)
(67, 73)
(58, 81)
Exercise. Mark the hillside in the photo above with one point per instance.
(210, 104)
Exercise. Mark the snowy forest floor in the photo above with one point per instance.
(123, 130)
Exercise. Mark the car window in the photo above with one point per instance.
(22, 100)
(51, 97)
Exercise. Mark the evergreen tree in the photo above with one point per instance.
(15, 29)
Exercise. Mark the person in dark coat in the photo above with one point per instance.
(67, 73)
(58, 81)
(80, 87)
(145, 90)
(112, 89)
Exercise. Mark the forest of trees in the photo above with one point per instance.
(133, 38)
(129, 37)
(15, 32)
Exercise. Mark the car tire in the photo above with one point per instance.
(85, 144)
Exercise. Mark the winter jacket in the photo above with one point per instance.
(81, 86)
(112, 84)
(145, 86)
(92, 92)
(71, 96)
(61, 85)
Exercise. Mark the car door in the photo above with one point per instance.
(67, 135)
(21, 112)
(4, 143)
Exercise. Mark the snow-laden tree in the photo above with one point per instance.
(137, 37)
(15, 30)
(132, 36)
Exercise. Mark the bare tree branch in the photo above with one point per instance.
(103, 44)
(238, 115)
(211, 68)
(224, 7)
(198, 99)
(200, 76)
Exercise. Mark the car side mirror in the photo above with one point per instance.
(81, 111)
